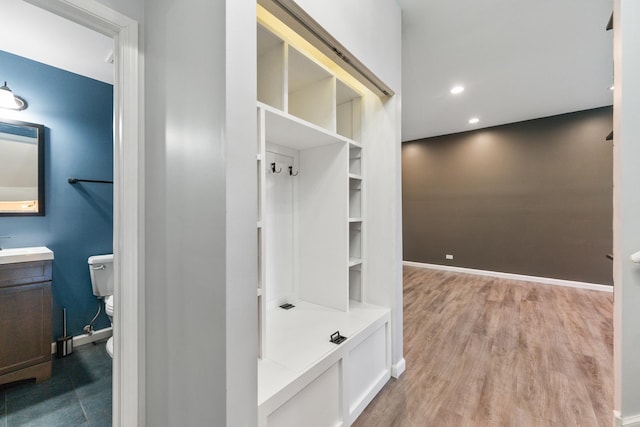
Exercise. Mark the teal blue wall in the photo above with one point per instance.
(77, 113)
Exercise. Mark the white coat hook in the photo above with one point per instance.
(291, 171)
(273, 168)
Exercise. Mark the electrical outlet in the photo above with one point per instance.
(448, 256)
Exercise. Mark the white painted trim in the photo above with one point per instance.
(512, 276)
(632, 421)
(128, 201)
(84, 339)
(398, 369)
(129, 335)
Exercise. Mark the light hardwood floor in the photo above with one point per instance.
(484, 351)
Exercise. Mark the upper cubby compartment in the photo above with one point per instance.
(311, 91)
(271, 69)
(296, 82)
(348, 111)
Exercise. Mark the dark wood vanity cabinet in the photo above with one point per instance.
(25, 321)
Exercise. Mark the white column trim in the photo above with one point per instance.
(512, 276)
(398, 368)
(632, 421)
(128, 201)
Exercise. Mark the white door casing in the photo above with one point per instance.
(128, 201)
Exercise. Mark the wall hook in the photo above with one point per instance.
(291, 171)
(273, 168)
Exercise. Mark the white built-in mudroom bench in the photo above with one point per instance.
(324, 311)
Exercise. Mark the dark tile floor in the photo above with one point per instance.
(78, 393)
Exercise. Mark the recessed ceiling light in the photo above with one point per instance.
(473, 120)
(457, 89)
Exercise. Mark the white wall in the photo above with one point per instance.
(383, 215)
(242, 213)
(134, 9)
(626, 231)
(371, 30)
(201, 341)
(185, 221)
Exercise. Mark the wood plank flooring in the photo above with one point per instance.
(482, 351)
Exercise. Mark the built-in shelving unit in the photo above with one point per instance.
(348, 119)
(311, 233)
(271, 58)
(355, 216)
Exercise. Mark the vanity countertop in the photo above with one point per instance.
(14, 255)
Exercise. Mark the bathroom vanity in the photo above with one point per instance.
(25, 314)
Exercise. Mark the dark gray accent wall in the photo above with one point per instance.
(531, 198)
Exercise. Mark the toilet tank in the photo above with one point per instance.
(101, 271)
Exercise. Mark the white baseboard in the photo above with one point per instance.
(512, 276)
(398, 369)
(79, 340)
(632, 421)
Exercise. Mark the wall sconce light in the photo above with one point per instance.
(10, 101)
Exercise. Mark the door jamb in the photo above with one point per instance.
(128, 201)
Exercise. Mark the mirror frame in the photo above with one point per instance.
(40, 129)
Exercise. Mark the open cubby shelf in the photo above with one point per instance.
(296, 133)
(296, 84)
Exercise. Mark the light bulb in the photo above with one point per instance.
(9, 100)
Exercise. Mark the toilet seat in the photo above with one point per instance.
(108, 305)
(110, 347)
(108, 308)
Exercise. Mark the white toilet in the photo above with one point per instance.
(101, 270)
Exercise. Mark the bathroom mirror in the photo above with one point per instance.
(21, 168)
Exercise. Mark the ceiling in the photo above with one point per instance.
(517, 60)
(33, 33)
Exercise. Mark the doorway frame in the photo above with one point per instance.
(128, 201)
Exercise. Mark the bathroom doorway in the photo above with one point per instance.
(127, 200)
